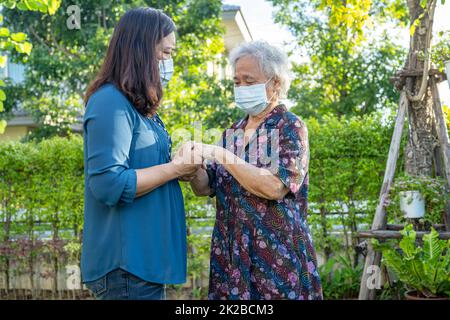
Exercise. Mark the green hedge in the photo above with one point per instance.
(41, 190)
(348, 159)
(41, 194)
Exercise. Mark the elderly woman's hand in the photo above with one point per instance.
(195, 149)
(190, 177)
(208, 151)
(187, 160)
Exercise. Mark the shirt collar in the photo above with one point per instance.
(269, 119)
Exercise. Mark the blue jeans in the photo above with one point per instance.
(122, 285)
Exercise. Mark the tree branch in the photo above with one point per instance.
(426, 66)
(42, 41)
(64, 49)
(54, 42)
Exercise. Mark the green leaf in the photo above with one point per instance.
(53, 5)
(31, 5)
(412, 29)
(408, 242)
(4, 32)
(2, 95)
(18, 36)
(10, 4)
(22, 6)
(24, 47)
(423, 268)
(1, 106)
(423, 3)
(42, 6)
(3, 60)
(394, 261)
(2, 126)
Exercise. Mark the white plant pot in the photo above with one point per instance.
(412, 204)
(447, 71)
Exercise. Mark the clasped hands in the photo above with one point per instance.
(190, 158)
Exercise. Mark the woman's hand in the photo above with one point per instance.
(200, 183)
(189, 177)
(208, 151)
(187, 161)
(258, 181)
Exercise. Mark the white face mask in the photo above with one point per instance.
(251, 99)
(166, 70)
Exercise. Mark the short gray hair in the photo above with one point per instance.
(272, 60)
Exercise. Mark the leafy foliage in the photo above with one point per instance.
(346, 64)
(340, 279)
(44, 182)
(41, 205)
(441, 50)
(433, 190)
(18, 41)
(424, 268)
(347, 166)
(65, 60)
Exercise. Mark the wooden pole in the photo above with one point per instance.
(395, 234)
(379, 222)
(441, 128)
(398, 227)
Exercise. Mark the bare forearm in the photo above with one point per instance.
(258, 181)
(200, 184)
(151, 178)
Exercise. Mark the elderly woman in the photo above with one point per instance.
(261, 246)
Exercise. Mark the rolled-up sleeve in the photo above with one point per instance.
(108, 126)
(293, 155)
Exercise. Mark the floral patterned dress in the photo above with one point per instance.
(262, 249)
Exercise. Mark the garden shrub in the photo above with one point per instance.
(41, 199)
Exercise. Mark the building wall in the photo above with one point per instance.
(14, 133)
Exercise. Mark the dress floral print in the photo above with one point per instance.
(262, 249)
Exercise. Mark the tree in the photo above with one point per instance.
(419, 155)
(65, 60)
(347, 63)
(344, 79)
(18, 41)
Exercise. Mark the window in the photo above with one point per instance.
(14, 71)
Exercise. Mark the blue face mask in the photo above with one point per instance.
(165, 70)
(251, 99)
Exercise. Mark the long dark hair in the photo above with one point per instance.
(131, 62)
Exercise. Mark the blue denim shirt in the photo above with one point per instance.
(145, 236)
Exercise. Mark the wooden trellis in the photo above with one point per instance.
(380, 229)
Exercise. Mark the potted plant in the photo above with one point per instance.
(412, 204)
(418, 197)
(424, 269)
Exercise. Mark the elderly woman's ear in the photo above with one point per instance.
(274, 88)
